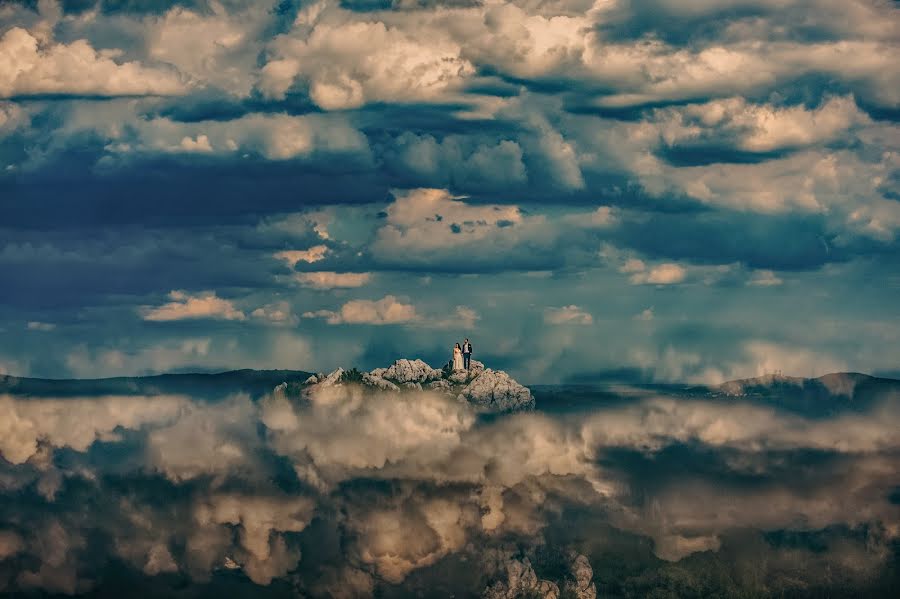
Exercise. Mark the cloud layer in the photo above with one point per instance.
(395, 490)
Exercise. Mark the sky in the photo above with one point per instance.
(647, 190)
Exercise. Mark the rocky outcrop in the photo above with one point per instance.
(410, 371)
(582, 583)
(486, 389)
(518, 579)
(496, 391)
(521, 581)
(372, 380)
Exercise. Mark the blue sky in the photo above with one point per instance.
(647, 189)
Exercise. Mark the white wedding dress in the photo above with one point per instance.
(457, 359)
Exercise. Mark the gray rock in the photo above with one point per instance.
(488, 390)
(442, 385)
(410, 371)
(582, 586)
(332, 379)
(496, 391)
(372, 380)
(521, 581)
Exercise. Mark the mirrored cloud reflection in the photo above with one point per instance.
(353, 494)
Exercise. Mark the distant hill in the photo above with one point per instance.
(846, 384)
(212, 386)
(821, 394)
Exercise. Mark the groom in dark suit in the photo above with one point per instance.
(467, 353)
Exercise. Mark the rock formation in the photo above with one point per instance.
(518, 579)
(486, 389)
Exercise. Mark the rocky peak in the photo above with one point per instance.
(486, 389)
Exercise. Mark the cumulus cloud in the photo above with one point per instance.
(279, 313)
(293, 257)
(759, 128)
(350, 64)
(809, 182)
(667, 273)
(26, 423)
(275, 137)
(31, 67)
(185, 307)
(765, 278)
(387, 310)
(457, 160)
(571, 314)
(217, 48)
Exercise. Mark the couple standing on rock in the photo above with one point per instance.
(462, 356)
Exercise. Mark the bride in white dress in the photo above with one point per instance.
(457, 358)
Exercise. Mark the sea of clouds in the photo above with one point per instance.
(352, 493)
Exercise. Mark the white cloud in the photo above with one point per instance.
(839, 184)
(332, 280)
(227, 446)
(29, 66)
(274, 136)
(466, 317)
(353, 63)
(76, 422)
(36, 325)
(388, 310)
(667, 273)
(200, 144)
(764, 278)
(632, 265)
(423, 221)
(292, 257)
(455, 158)
(602, 217)
(568, 315)
(184, 306)
(463, 318)
(756, 127)
(277, 313)
(217, 49)
(84, 363)
(766, 357)
(649, 72)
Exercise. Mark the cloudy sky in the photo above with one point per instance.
(644, 189)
